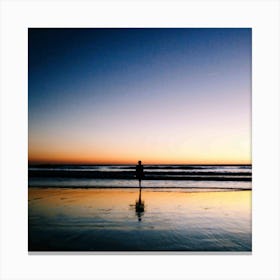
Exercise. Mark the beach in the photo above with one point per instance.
(110, 107)
(105, 219)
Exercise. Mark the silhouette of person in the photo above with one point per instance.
(139, 206)
(139, 171)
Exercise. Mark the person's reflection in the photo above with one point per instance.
(139, 215)
(139, 205)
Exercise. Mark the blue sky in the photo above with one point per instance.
(162, 95)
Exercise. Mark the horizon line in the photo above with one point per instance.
(130, 163)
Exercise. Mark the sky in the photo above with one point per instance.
(116, 96)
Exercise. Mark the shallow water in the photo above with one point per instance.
(124, 175)
(125, 183)
(106, 220)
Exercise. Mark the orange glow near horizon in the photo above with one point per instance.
(50, 158)
(87, 155)
(200, 146)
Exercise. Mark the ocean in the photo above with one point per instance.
(93, 208)
(156, 176)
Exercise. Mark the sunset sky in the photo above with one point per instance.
(122, 95)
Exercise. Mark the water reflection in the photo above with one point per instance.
(100, 219)
(139, 205)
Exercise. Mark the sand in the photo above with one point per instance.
(106, 220)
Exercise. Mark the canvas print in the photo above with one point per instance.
(139, 139)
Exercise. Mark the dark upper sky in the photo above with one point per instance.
(165, 95)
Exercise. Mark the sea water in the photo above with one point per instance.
(69, 210)
(156, 176)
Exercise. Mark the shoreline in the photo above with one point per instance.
(131, 175)
(143, 188)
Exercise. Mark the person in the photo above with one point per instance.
(139, 206)
(139, 171)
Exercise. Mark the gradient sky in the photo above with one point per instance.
(121, 95)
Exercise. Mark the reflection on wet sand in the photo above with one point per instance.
(139, 204)
(104, 219)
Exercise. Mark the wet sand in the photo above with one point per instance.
(106, 220)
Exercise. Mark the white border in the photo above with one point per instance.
(17, 16)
